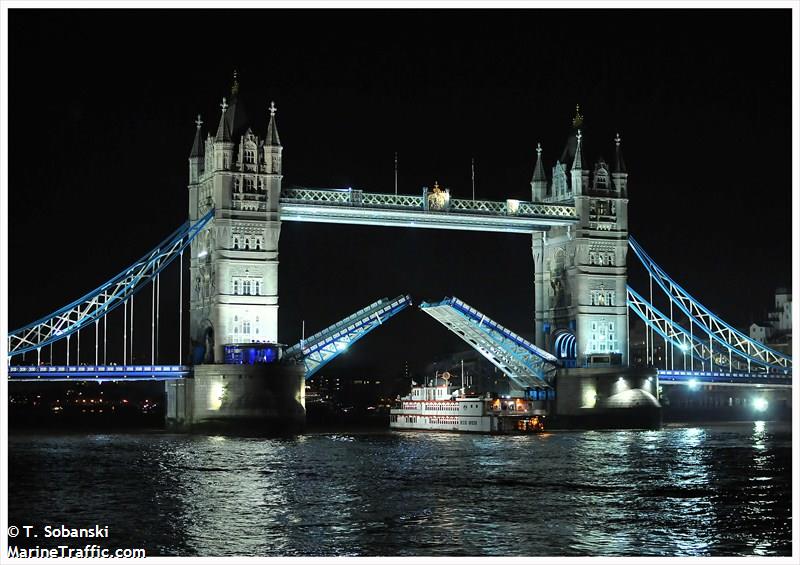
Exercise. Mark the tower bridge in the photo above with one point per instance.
(234, 369)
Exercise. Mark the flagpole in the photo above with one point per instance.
(473, 178)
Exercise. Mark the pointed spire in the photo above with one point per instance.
(619, 162)
(538, 172)
(197, 146)
(272, 128)
(577, 164)
(223, 131)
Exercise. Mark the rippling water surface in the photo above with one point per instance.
(714, 490)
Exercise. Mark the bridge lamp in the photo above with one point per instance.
(693, 384)
(760, 404)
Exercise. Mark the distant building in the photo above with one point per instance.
(776, 330)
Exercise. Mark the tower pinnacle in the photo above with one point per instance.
(197, 146)
(577, 164)
(223, 131)
(577, 121)
(235, 85)
(272, 128)
(619, 162)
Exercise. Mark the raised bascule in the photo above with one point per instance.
(232, 370)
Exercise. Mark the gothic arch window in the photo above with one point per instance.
(248, 185)
(258, 244)
(592, 258)
(246, 287)
(236, 242)
(235, 287)
(258, 289)
(246, 327)
(609, 259)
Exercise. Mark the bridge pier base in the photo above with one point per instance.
(607, 397)
(248, 399)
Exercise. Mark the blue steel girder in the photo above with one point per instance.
(48, 373)
(323, 347)
(105, 298)
(526, 365)
(720, 378)
(684, 340)
(707, 321)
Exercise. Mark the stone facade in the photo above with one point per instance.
(234, 261)
(581, 271)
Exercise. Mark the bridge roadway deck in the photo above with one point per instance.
(753, 380)
(345, 206)
(38, 373)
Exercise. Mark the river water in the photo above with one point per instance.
(706, 490)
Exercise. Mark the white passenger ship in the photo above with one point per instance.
(448, 408)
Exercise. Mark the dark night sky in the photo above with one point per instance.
(102, 104)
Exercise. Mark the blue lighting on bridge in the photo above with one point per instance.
(251, 353)
(38, 373)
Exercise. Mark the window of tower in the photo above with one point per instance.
(250, 156)
(248, 185)
(246, 287)
(246, 327)
(258, 288)
(258, 244)
(247, 243)
(236, 242)
(235, 287)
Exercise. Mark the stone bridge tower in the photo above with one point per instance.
(580, 271)
(234, 261)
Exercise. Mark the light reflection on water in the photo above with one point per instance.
(721, 490)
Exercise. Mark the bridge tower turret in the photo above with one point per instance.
(581, 274)
(539, 181)
(234, 261)
(619, 174)
(196, 155)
